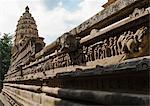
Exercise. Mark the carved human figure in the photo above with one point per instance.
(99, 52)
(90, 53)
(105, 49)
(111, 48)
(119, 42)
(95, 53)
(128, 37)
(85, 57)
(115, 46)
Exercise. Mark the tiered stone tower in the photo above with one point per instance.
(26, 27)
(27, 41)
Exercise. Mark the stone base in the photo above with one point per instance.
(18, 97)
(70, 97)
(3, 101)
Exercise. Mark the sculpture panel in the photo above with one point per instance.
(127, 43)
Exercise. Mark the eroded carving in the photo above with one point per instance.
(137, 12)
(68, 42)
(128, 42)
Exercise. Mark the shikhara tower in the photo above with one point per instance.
(27, 41)
(26, 27)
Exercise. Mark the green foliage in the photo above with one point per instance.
(5, 54)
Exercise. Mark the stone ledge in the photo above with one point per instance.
(4, 101)
(96, 97)
(115, 26)
(102, 15)
(94, 68)
(43, 99)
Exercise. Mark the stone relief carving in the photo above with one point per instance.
(128, 42)
(115, 46)
(90, 54)
(73, 54)
(85, 57)
(68, 42)
(93, 32)
(100, 56)
(137, 12)
(131, 42)
(102, 15)
(111, 46)
(95, 53)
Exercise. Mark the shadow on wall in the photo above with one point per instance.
(1, 87)
(85, 98)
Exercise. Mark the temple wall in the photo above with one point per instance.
(103, 61)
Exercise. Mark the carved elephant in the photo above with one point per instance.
(68, 42)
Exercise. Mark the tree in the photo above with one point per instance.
(5, 54)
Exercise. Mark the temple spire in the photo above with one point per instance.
(27, 9)
(26, 27)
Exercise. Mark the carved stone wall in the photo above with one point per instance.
(106, 55)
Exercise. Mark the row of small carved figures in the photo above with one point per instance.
(128, 42)
(60, 61)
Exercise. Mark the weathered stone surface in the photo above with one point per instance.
(100, 97)
(37, 99)
(105, 60)
(107, 12)
(118, 24)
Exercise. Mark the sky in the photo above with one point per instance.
(53, 17)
